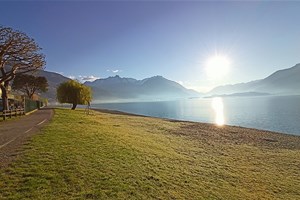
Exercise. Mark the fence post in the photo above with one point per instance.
(24, 102)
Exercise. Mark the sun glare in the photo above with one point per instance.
(218, 107)
(217, 66)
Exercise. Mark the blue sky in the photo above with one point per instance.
(169, 38)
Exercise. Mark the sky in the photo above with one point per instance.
(174, 39)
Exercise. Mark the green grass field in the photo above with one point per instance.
(110, 156)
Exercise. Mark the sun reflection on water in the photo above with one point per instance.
(217, 105)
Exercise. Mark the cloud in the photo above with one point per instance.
(114, 70)
(88, 78)
(82, 79)
(180, 82)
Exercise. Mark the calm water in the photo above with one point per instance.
(275, 113)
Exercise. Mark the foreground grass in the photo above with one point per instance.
(105, 156)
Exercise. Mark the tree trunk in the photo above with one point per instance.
(74, 106)
(28, 94)
(4, 97)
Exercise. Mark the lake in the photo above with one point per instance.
(274, 113)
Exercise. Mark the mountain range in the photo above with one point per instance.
(120, 89)
(128, 89)
(282, 82)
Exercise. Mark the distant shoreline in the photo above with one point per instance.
(243, 94)
(237, 134)
(116, 112)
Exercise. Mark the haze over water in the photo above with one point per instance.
(274, 113)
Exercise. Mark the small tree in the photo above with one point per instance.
(29, 84)
(74, 92)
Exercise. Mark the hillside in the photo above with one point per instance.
(282, 82)
(54, 79)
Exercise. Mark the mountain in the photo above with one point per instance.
(129, 89)
(282, 82)
(123, 89)
(54, 79)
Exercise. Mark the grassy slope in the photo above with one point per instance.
(105, 156)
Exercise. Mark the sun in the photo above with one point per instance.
(217, 66)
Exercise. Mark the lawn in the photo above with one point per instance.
(113, 156)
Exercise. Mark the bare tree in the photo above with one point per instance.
(19, 54)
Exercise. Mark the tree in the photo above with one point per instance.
(29, 84)
(19, 54)
(74, 92)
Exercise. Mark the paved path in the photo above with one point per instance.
(13, 134)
